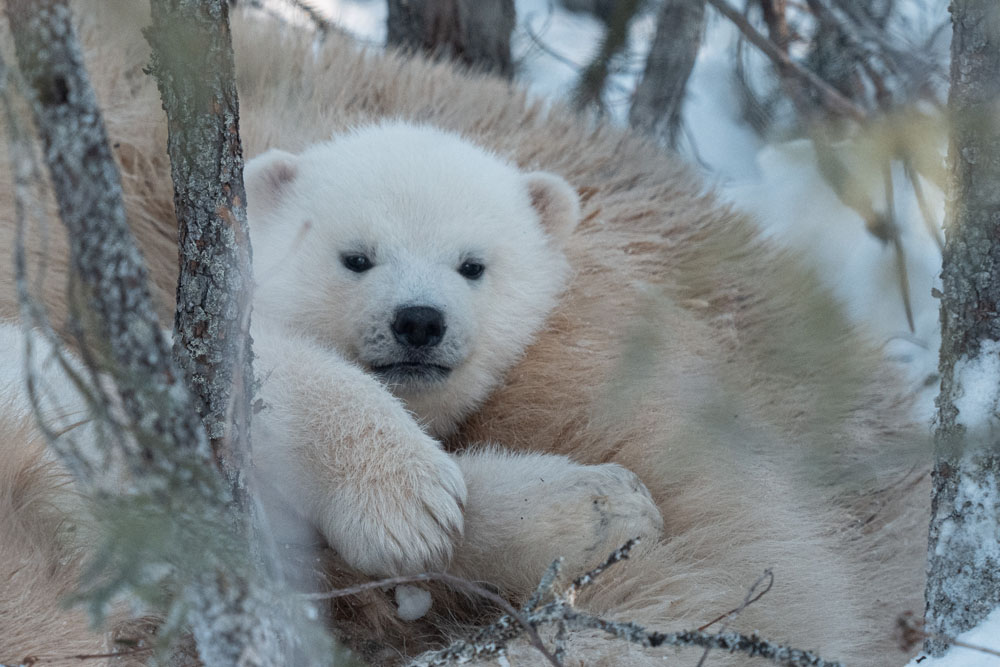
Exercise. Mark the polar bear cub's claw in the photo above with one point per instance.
(404, 519)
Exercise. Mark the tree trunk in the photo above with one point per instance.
(121, 324)
(656, 107)
(963, 582)
(162, 440)
(192, 60)
(474, 32)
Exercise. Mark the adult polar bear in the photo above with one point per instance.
(683, 349)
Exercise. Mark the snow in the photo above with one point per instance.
(362, 18)
(985, 635)
(977, 407)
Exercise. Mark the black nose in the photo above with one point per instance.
(419, 326)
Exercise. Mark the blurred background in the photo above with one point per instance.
(822, 119)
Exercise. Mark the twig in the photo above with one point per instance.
(828, 94)
(323, 25)
(584, 580)
(897, 241)
(567, 61)
(912, 631)
(457, 582)
(925, 210)
(492, 640)
(548, 49)
(747, 601)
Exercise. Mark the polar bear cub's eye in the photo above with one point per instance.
(356, 262)
(471, 270)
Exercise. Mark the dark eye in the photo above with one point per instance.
(471, 270)
(356, 263)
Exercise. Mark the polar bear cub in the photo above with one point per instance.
(401, 272)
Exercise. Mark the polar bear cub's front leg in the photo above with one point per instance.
(338, 448)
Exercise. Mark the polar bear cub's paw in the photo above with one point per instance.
(601, 508)
(398, 516)
(533, 508)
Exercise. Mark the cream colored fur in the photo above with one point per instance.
(358, 462)
(767, 432)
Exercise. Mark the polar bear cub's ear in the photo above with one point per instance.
(556, 202)
(267, 177)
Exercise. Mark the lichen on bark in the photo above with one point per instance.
(192, 60)
(121, 326)
(963, 569)
(175, 492)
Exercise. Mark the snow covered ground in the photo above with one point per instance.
(986, 635)
(778, 184)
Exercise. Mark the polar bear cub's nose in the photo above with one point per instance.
(419, 326)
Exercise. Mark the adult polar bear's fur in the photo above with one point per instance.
(683, 348)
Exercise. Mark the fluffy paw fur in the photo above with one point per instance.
(402, 519)
(533, 508)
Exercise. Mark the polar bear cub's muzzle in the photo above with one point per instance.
(418, 353)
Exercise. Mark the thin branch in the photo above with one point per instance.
(832, 99)
(493, 640)
(897, 242)
(748, 600)
(32, 660)
(456, 582)
(912, 631)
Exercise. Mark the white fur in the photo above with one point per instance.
(351, 452)
(412, 602)
(526, 510)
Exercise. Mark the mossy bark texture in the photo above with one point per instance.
(963, 582)
(233, 621)
(120, 323)
(192, 60)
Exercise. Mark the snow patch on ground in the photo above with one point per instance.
(985, 635)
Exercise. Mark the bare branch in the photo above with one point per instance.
(123, 326)
(748, 600)
(829, 95)
(452, 580)
(493, 640)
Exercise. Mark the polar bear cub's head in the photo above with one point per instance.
(412, 252)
